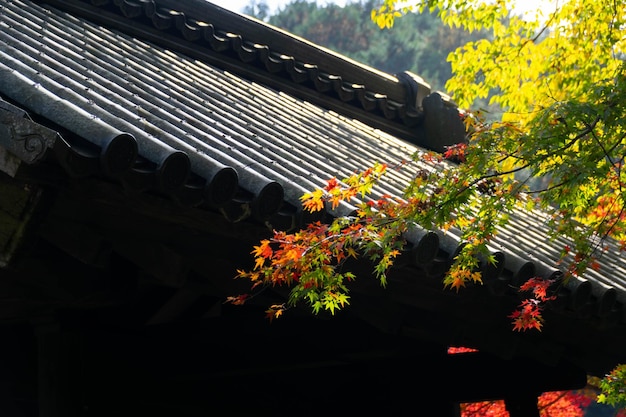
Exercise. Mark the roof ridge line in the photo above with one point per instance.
(396, 98)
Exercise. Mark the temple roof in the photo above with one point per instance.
(189, 116)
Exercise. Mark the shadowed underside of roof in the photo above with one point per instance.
(214, 119)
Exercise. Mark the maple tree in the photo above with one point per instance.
(558, 75)
(558, 78)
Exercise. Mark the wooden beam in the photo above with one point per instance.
(78, 240)
(165, 265)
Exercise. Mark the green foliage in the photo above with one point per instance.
(560, 79)
(614, 388)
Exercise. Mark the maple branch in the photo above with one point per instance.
(548, 188)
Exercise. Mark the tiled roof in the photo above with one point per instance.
(269, 49)
(161, 119)
(278, 59)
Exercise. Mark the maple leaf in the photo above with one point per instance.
(457, 278)
(313, 201)
(539, 287)
(476, 277)
(456, 152)
(457, 282)
(237, 300)
(293, 253)
(528, 316)
(335, 200)
(263, 250)
(274, 312)
(259, 262)
(331, 184)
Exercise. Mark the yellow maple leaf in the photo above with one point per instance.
(313, 201)
(259, 262)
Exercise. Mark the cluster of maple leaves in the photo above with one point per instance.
(528, 316)
(309, 261)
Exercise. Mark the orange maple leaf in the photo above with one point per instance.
(237, 300)
(264, 250)
(457, 278)
(457, 282)
(335, 200)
